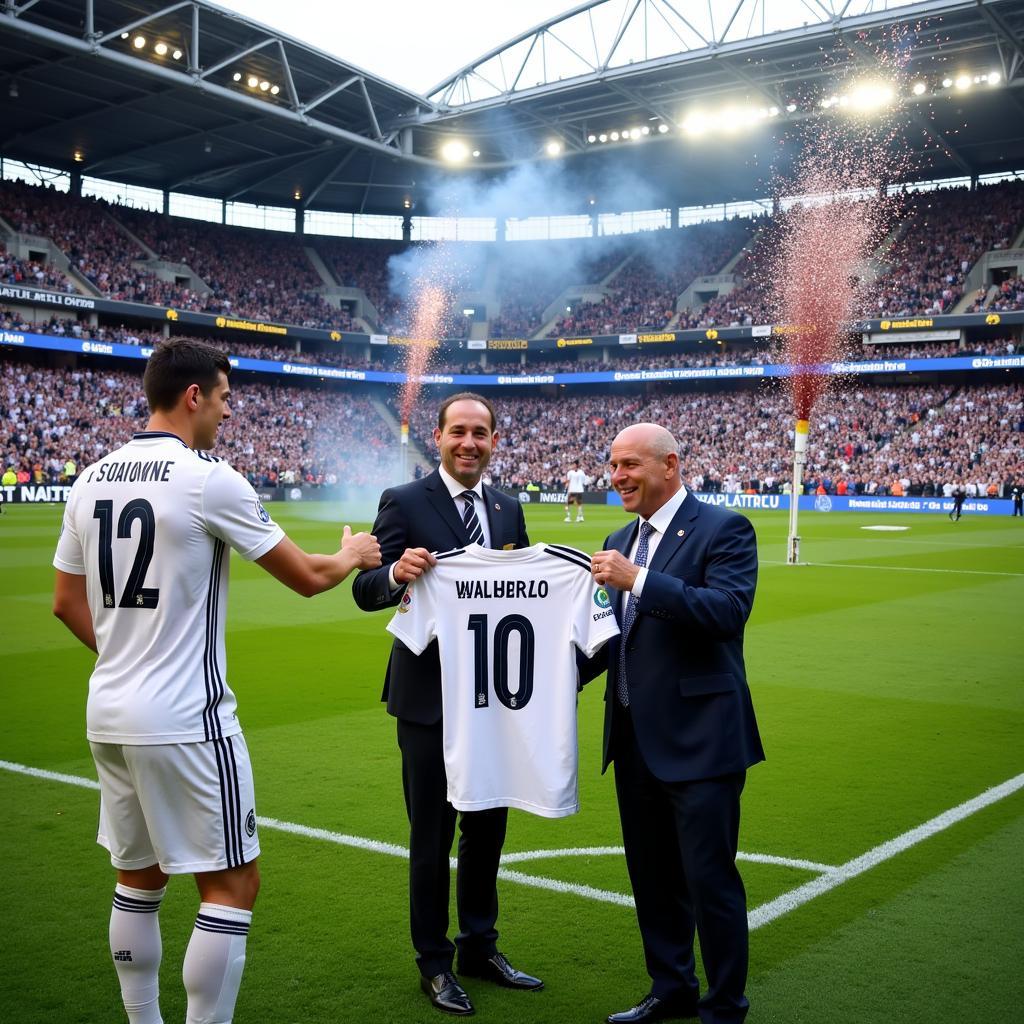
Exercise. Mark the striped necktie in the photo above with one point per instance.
(469, 519)
(621, 688)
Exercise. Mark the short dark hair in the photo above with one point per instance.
(467, 396)
(177, 364)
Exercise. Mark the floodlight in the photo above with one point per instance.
(274, 90)
(476, 153)
(252, 81)
(645, 130)
(297, 194)
(662, 128)
(963, 82)
(237, 76)
(994, 78)
(919, 88)
(946, 83)
(790, 108)
(591, 138)
(773, 111)
(161, 48)
(139, 42)
(614, 136)
(553, 148)
(264, 85)
(602, 137)
(124, 35)
(78, 156)
(177, 55)
(870, 96)
(454, 151)
(695, 123)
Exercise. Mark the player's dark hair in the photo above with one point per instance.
(177, 364)
(467, 396)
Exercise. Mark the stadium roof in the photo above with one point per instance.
(85, 87)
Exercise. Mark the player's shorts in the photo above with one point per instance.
(574, 498)
(186, 806)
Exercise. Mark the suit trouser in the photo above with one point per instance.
(681, 840)
(431, 831)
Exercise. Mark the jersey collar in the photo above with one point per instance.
(148, 435)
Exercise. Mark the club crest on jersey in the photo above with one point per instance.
(250, 823)
(406, 601)
(601, 598)
(262, 512)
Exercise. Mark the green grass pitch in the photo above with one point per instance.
(887, 678)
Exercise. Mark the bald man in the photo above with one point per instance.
(679, 725)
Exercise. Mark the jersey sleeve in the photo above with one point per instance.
(235, 514)
(69, 556)
(415, 620)
(593, 616)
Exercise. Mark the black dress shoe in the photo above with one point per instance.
(651, 1008)
(445, 992)
(497, 969)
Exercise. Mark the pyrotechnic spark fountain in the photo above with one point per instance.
(821, 266)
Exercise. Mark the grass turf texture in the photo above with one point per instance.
(885, 696)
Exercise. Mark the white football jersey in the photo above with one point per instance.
(577, 481)
(149, 526)
(506, 623)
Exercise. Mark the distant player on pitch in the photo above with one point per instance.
(142, 579)
(576, 482)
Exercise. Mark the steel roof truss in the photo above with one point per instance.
(237, 56)
(139, 22)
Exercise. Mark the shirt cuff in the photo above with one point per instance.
(392, 582)
(638, 583)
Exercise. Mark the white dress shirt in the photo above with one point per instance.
(659, 522)
(455, 489)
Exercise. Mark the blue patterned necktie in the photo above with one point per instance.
(621, 688)
(469, 519)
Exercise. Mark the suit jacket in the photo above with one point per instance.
(688, 693)
(421, 514)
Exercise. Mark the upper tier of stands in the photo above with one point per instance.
(623, 283)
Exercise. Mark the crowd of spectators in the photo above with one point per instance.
(85, 231)
(1010, 296)
(278, 434)
(943, 235)
(643, 293)
(31, 272)
(864, 440)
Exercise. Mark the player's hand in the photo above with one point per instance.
(363, 546)
(613, 569)
(413, 564)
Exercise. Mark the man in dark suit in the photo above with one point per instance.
(679, 725)
(446, 509)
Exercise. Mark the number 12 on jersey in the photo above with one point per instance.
(507, 625)
(134, 595)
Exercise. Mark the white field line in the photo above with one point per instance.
(789, 901)
(896, 568)
(830, 877)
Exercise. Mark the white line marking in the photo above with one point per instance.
(831, 877)
(617, 851)
(866, 861)
(897, 568)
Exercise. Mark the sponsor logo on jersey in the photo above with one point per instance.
(262, 512)
(601, 598)
(250, 823)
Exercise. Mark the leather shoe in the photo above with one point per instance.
(445, 992)
(651, 1008)
(497, 969)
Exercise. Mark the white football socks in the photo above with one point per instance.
(136, 949)
(214, 960)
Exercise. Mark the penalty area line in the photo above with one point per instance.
(789, 901)
(829, 879)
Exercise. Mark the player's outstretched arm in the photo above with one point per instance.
(308, 574)
(71, 606)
